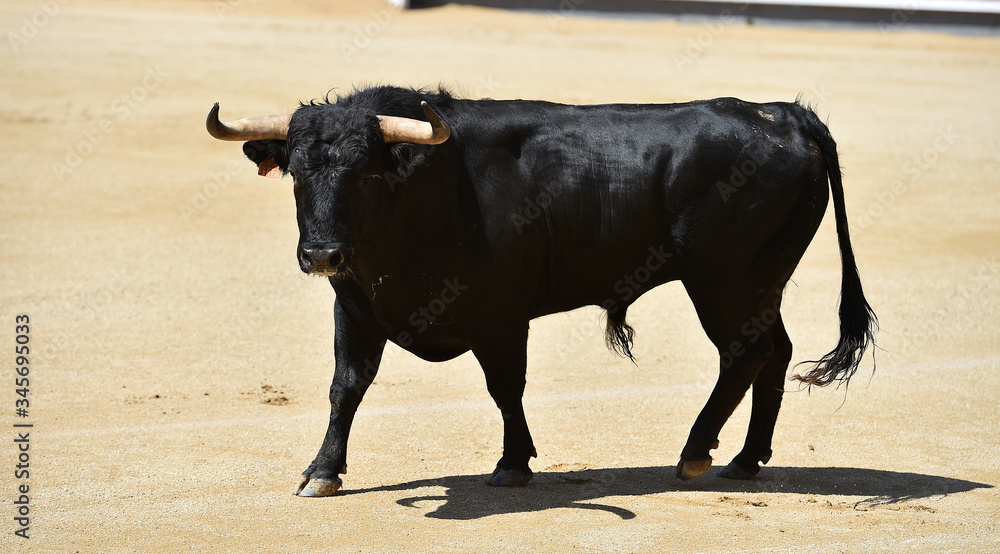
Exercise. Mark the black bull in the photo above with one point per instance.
(525, 208)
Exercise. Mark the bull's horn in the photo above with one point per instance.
(266, 127)
(403, 129)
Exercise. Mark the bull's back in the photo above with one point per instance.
(604, 202)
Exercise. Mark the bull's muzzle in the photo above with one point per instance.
(322, 259)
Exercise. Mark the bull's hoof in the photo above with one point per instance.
(744, 466)
(689, 469)
(318, 487)
(509, 478)
(736, 471)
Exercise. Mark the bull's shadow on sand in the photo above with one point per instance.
(468, 497)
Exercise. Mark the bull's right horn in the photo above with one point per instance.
(273, 127)
(404, 129)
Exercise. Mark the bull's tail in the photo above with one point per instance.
(858, 322)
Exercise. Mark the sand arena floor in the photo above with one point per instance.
(180, 362)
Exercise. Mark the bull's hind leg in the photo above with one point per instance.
(739, 307)
(744, 351)
(767, 391)
(504, 360)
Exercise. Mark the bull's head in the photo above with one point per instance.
(336, 155)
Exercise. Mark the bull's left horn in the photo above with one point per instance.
(404, 129)
(274, 127)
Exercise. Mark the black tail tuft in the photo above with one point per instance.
(619, 334)
(858, 322)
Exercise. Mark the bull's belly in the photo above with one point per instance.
(436, 351)
(429, 333)
(616, 280)
(434, 322)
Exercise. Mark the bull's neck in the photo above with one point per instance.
(418, 222)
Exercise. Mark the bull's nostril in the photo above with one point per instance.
(305, 260)
(336, 258)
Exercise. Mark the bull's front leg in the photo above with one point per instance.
(358, 348)
(503, 356)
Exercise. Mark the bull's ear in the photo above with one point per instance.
(408, 157)
(271, 156)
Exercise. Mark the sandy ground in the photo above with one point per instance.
(180, 361)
